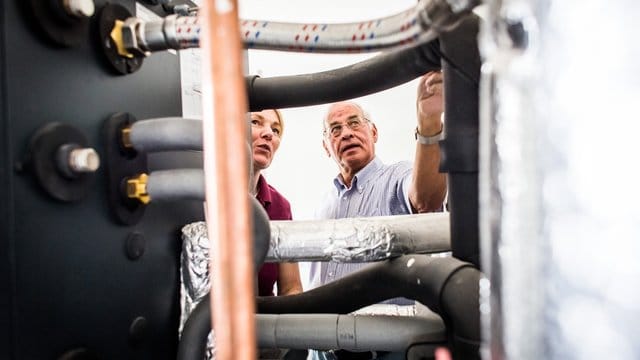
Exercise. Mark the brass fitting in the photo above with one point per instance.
(137, 188)
(130, 31)
(116, 36)
(126, 137)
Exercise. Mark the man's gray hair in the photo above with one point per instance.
(363, 112)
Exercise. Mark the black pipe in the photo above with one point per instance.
(193, 341)
(447, 286)
(462, 292)
(461, 67)
(379, 73)
(261, 230)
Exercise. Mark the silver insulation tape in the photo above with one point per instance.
(358, 239)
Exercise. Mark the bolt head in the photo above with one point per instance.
(80, 8)
(84, 160)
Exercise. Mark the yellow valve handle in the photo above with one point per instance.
(137, 188)
(116, 36)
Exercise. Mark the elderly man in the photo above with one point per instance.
(367, 187)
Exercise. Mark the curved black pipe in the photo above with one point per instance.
(193, 341)
(379, 73)
(447, 286)
(261, 233)
(461, 68)
(462, 292)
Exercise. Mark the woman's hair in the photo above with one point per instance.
(280, 119)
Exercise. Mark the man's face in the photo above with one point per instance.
(265, 137)
(349, 138)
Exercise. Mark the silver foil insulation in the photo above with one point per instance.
(344, 240)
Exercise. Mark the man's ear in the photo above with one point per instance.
(324, 145)
(374, 132)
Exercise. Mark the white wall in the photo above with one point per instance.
(301, 171)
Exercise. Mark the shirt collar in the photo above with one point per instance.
(360, 178)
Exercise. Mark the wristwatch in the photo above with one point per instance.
(429, 140)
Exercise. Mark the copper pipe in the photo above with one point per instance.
(227, 208)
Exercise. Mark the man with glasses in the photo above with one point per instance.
(367, 187)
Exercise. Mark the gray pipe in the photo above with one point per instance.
(348, 332)
(419, 24)
(344, 240)
(358, 239)
(177, 184)
(166, 134)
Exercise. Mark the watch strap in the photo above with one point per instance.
(429, 140)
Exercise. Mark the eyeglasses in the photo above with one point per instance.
(353, 123)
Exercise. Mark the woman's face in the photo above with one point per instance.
(265, 137)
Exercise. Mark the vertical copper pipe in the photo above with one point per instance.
(227, 208)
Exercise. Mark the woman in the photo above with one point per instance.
(266, 134)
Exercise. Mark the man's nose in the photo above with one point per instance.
(346, 132)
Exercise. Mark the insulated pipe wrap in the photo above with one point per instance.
(349, 332)
(193, 339)
(459, 151)
(358, 239)
(348, 82)
(177, 184)
(419, 277)
(429, 280)
(167, 134)
(329, 331)
(389, 333)
(296, 331)
(454, 297)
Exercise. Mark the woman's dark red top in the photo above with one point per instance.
(278, 208)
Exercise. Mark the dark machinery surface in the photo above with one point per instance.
(49, 292)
